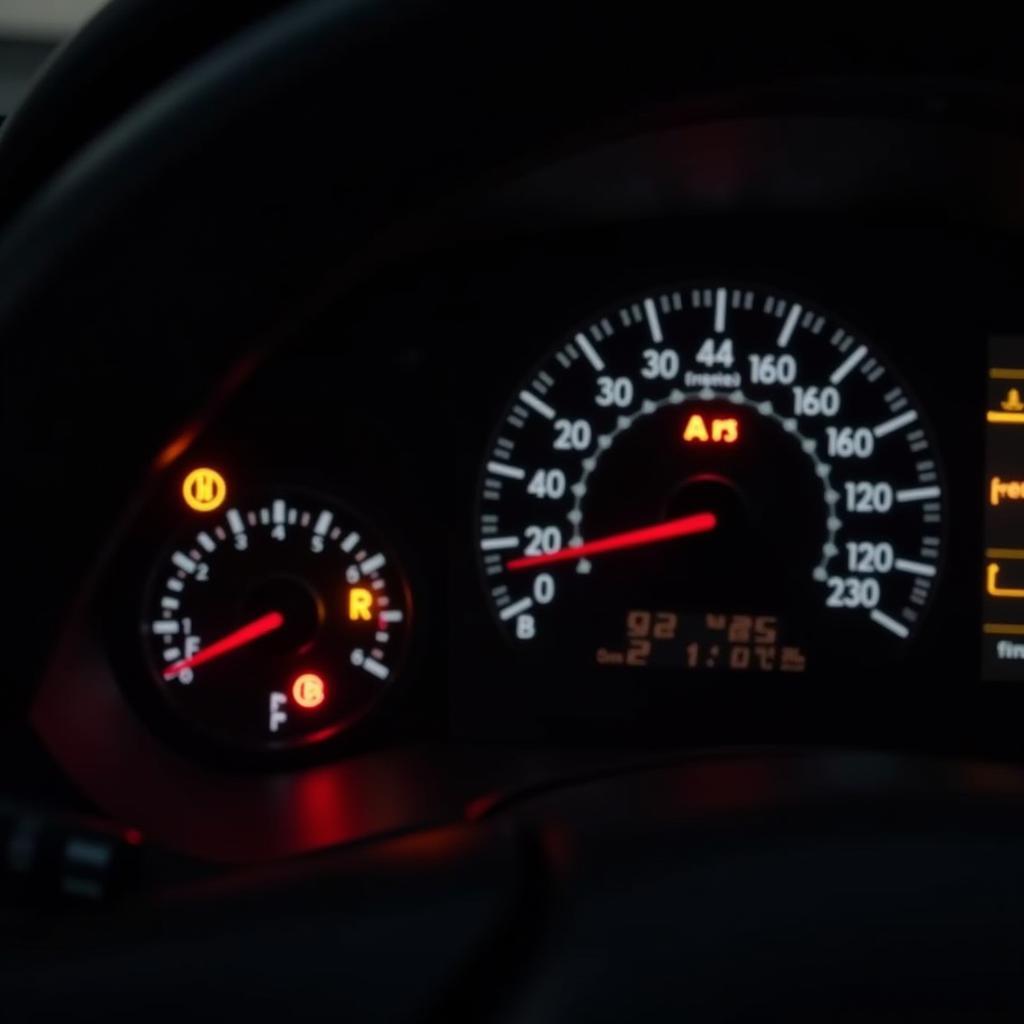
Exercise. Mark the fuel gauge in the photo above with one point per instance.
(276, 621)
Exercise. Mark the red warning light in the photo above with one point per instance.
(309, 690)
(716, 430)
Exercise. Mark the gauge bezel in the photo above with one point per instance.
(685, 284)
(127, 591)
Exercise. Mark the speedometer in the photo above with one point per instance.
(712, 477)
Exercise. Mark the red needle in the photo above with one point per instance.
(253, 631)
(700, 522)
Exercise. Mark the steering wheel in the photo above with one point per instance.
(212, 215)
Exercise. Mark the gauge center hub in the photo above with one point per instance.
(299, 605)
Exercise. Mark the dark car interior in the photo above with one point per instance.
(513, 514)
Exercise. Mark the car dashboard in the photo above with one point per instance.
(642, 449)
(512, 517)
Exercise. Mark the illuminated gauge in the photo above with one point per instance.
(713, 477)
(274, 622)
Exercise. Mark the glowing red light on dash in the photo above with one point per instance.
(309, 690)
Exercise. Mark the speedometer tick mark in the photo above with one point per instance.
(720, 310)
(786, 334)
(537, 404)
(889, 623)
(915, 568)
(590, 353)
(890, 426)
(653, 323)
(511, 472)
(499, 543)
(515, 609)
(918, 493)
(847, 366)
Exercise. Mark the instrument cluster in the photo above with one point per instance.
(654, 484)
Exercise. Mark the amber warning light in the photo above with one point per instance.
(204, 489)
(711, 429)
(308, 690)
(360, 604)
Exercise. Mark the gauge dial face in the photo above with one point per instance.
(275, 622)
(712, 477)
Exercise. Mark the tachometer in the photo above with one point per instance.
(712, 477)
(276, 620)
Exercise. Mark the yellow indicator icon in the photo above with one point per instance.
(993, 587)
(360, 604)
(717, 430)
(1005, 490)
(204, 489)
(1011, 409)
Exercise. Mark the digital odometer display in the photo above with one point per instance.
(717, 478)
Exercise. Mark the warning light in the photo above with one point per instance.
(360, 604)
(993, 587)
(308, 690)
(1011, 409)
(204, 489)
(722, 430)
(1012, 402)
(1005, 490)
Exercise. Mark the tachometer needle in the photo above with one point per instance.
(239, 638)
(684, 526)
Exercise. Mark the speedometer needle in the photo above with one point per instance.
(239, 638)
(684, 526)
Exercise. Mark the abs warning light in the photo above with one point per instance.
(715, 430)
